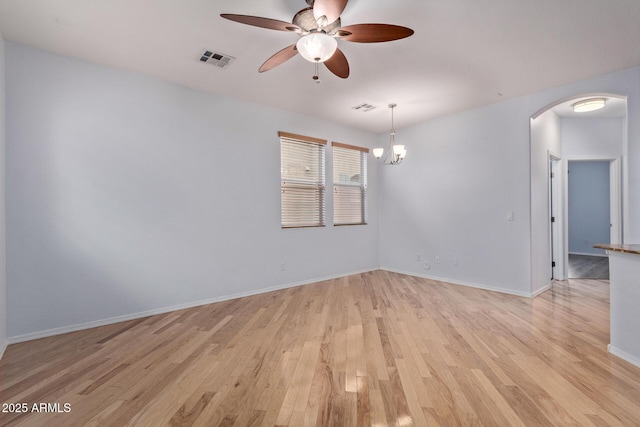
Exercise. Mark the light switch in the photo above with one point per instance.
(509, 215)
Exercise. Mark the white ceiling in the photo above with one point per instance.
(464, 53)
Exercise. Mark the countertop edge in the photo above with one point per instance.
(629, 249)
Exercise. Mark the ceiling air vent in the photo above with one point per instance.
(220, 60)
(364, 107)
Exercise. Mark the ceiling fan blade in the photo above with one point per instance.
(338, 64)
(375, 33)
(332, 9)
(257, 21)
(280, 57)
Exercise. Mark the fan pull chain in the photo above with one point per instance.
(316, 77)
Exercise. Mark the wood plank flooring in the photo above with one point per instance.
(378, 349)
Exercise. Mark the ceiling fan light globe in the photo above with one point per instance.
(317, 47)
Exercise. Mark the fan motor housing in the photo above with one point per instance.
(305, 20)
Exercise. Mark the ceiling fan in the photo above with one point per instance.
(319, 28)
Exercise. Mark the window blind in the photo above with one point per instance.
(349, 184)
(302, 178)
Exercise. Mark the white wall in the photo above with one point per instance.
(3, 270)
(450, 198)
(589, 206)
(592, 137)
(129, 195)
(464, 172)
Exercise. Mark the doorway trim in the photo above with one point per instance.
(556, 218)
(615, 198)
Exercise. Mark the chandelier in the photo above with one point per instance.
(395, 152)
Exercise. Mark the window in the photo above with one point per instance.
(302, 181)
(349, 184)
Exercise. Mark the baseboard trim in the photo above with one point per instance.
(540, 291)
(3, 348)
(634, 360)
(587, 254)
(468, 284)
(117, 319)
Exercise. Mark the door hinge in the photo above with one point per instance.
(553, 263)
(553, 219)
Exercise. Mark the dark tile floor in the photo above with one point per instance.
(588, 267)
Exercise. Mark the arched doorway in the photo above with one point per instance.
(559, 135)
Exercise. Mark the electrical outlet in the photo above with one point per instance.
(455, 261)
(417, 257)
(437, 259)
(282, 267)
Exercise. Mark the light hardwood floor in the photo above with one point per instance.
(372, 349)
